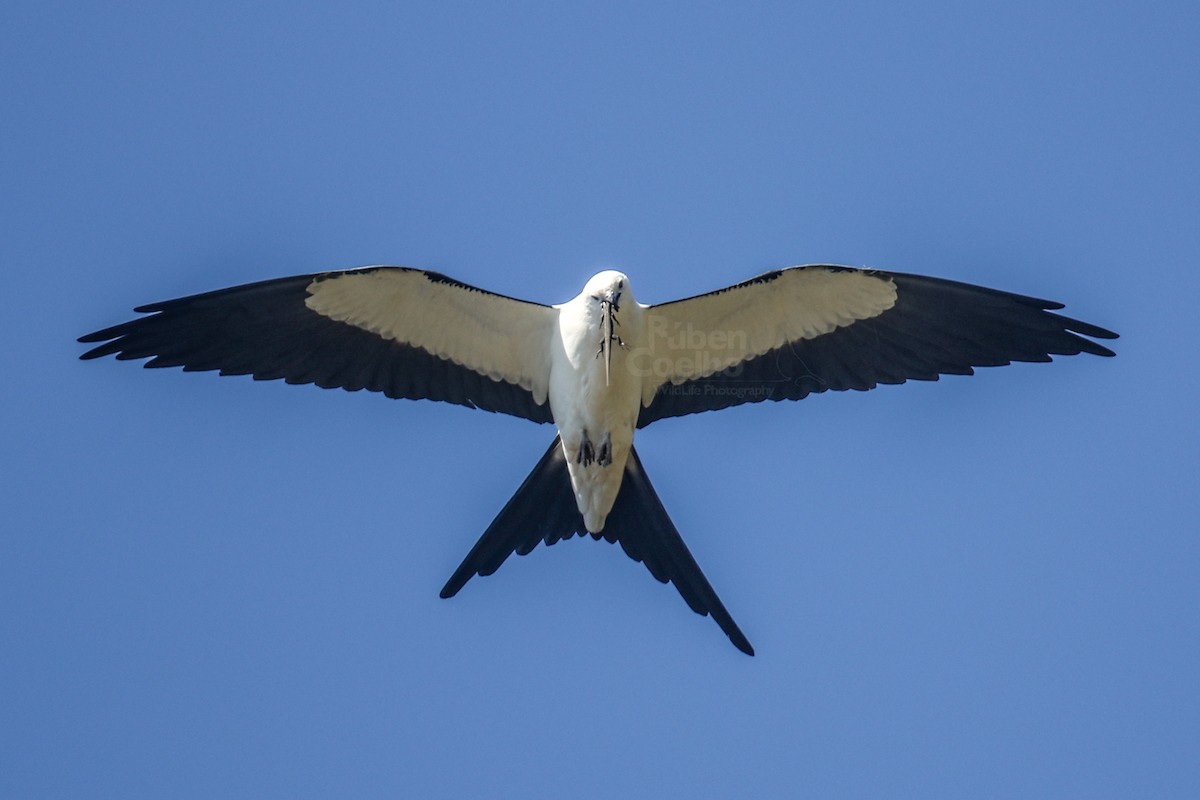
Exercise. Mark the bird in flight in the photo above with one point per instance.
(598, 367)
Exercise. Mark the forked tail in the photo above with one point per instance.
(544, 510)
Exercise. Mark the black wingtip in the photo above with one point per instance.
(108, 348)
(1081, 328)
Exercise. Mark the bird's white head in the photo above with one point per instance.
(609, 285)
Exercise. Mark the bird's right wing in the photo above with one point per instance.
(404, 332)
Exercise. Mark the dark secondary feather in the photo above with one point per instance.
(937, 327)
(265, 330)
(544, 510)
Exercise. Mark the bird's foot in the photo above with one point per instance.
(604, 456)
(587, 452)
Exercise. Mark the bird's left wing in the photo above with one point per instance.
(404, 332)
(792, 332)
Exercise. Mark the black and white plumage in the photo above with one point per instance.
(598, 366)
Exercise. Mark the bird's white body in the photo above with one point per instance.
(595, 396)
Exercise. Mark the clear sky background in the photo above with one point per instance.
(981, 587)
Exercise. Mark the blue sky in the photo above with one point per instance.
(983, 587)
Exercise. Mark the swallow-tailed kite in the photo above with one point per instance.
(598, 367)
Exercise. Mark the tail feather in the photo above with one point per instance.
(647, 534)
(544, 510)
